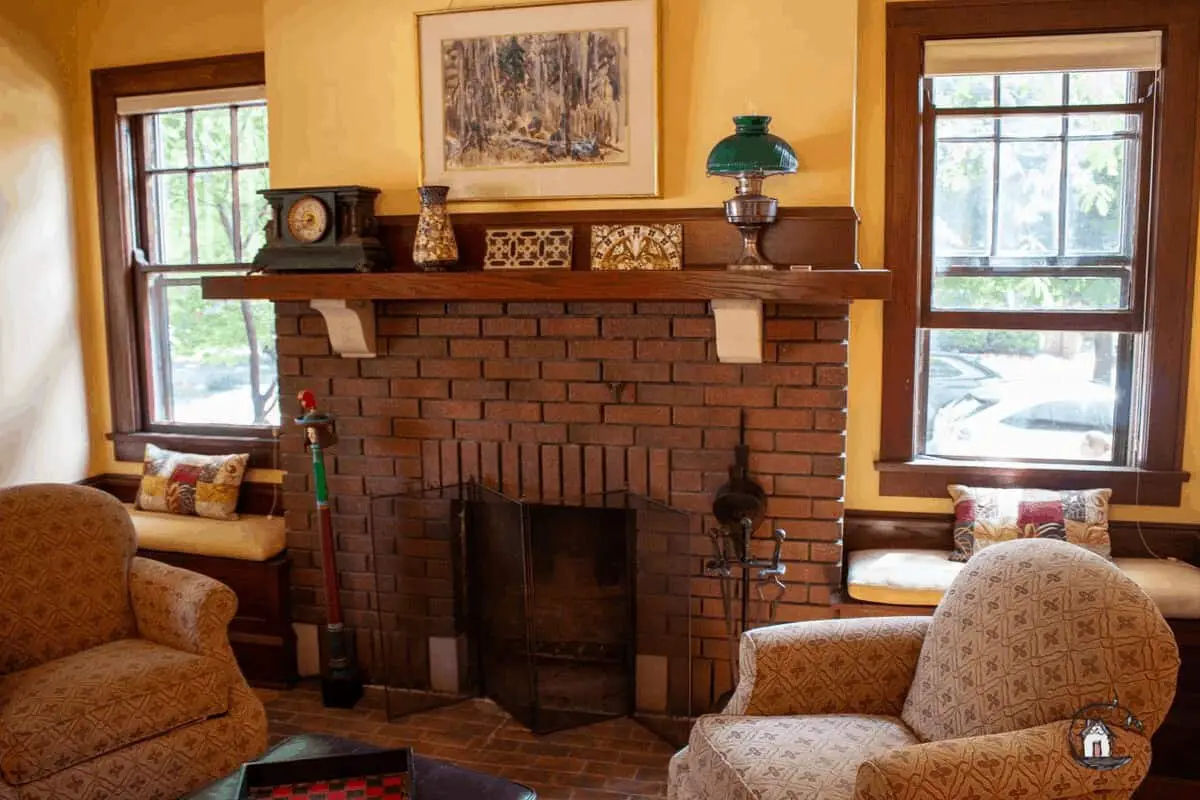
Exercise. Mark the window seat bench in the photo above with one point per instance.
(249, 556)
(249, 538)
(919, 577)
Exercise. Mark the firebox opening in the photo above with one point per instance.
(568, 625)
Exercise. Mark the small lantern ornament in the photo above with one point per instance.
(340, 685)
(749, 155)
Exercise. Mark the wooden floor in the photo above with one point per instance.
(615, 760)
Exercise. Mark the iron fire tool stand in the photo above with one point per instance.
(739, 507)
(340, 685)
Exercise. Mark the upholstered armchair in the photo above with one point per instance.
(977, 701)
(116, 675)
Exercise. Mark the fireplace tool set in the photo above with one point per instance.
(340, 685)
(739, 507)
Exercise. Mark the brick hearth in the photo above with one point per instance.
(554, 399)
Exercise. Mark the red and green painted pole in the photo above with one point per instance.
(340, 685)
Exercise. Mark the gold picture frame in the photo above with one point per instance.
(526, 132)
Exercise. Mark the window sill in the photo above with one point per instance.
(132, 446)
(929, 477)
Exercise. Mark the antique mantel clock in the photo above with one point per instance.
(322, 229)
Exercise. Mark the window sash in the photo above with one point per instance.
(1131, 319)
(1126, 433)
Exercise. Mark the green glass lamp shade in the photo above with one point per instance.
(751, 150)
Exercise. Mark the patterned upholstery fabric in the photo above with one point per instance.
(849, 666)
(1033, 630)
(64, 564)
(984, 517)
(183, 483)
(781, 758)
(66, 711)
(1026, 763)
(158, 695)
(163, 767)
(182, 609)
(1029, 633)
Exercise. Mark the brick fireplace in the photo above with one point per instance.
(548, 399)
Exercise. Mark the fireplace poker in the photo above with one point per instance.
(340, 684)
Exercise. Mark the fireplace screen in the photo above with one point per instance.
(547, 598)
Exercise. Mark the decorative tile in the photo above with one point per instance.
(641, 246)
(528, 248)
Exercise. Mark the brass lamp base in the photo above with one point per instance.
(751, 212)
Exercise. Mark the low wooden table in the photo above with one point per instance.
(435, 780)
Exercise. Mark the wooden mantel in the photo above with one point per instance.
(780, 286)
(736, 297)
(825, 238)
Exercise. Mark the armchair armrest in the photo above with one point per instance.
(845, 666)
(182, 609)
(1033, 762)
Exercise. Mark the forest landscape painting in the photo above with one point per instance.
(546, 99)
(540, 98)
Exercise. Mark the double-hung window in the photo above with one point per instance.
(1027, 206)
(196, 165)
(182, 156)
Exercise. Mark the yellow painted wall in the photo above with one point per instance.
(43, 413)
(343, 96)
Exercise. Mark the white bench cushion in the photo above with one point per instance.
(921, 577)
(249, 538)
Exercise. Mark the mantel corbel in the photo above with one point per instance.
(351, 325)
(739, 331)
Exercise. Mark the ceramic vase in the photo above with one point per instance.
(435, 249)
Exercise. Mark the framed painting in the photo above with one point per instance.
(541, 100)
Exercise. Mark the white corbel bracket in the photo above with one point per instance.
(739, 328)
(351, 325)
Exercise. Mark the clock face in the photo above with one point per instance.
(308, 219)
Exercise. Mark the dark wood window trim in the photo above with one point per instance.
(1158, 478)
(131, 426)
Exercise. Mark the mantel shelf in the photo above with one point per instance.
(782, 286)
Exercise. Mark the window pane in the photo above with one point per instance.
(1038, 89)
(1023, 395)
(1102, 125)
(255, 211)
(1027, 221)
(167, 141)
(962, 203)
(252, 134)
(204, 366)
(211, 137)
(214, 217)
(1098, 200)
(1033, 293)
(170, 219)
(964, 91)
(1101, 88)
(1031, 126)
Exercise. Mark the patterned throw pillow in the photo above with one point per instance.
(182, 483)
(984, 517)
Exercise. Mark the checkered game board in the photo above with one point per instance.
(385, 787)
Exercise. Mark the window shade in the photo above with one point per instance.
(1102, 51)
(172, 101)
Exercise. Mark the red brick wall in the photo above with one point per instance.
(556, 399)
